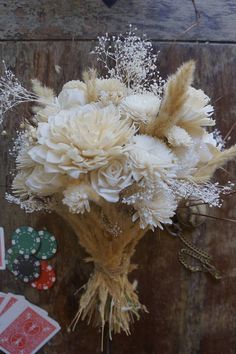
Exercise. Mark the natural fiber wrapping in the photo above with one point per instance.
(109, 296)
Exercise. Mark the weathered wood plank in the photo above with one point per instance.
(161, 20)
(189, 313)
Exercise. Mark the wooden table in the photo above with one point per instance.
(188, 313)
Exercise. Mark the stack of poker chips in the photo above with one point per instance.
(28, 255)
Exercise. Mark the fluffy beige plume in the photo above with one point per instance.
(174, 97)
(89, 78)
(204, 173)
(42, 91)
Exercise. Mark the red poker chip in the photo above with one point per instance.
(47, 277)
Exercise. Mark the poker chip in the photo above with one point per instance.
(48, 245)
(26, 268)
(47, 277)
(26, 240)
(11, 255)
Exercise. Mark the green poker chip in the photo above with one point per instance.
(11, 255)
(26, 240)
(48, 245)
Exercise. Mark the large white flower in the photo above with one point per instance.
(73, 94)
(109, 180)
(199, 153)
(142, 107)
(80, 140)
(43, 184)
(150, 157)
(196, 112)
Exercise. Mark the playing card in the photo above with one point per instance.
(2, 297)
(7, 303)
(24, 330)
(20, 297)
(10, 299)
(2, 250)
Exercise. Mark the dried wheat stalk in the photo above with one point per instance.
(109, 296)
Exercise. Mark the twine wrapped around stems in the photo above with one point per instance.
(109, 237)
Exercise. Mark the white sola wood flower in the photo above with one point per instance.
(80, 140)
(37, 182)
(141, 107)
(76, 197)
(154, 206)
(190, 158)
(110, 90)
(109, 180)
(196, 112)
(73, 94)
(150, 158)
(177, 136)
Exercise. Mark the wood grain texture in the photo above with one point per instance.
(85, 19)
(188, 313)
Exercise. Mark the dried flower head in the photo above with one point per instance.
(77, 141)
(155, 205)
(150, 158)
(142, 108)
(76, 197)
(110, 91)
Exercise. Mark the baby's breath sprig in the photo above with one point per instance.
(130, 59)
(12, 93)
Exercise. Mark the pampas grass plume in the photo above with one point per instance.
(175, 96)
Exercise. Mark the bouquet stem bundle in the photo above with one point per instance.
(109, 297)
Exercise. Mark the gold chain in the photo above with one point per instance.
(195, 249)
(196, 253)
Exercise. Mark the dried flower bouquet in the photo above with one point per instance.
(114, 156)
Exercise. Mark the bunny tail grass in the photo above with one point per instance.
(175, 96)
(89, 78)
(40, 90)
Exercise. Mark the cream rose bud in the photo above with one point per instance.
(42, 183)
(73, 94)
(108, 181)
